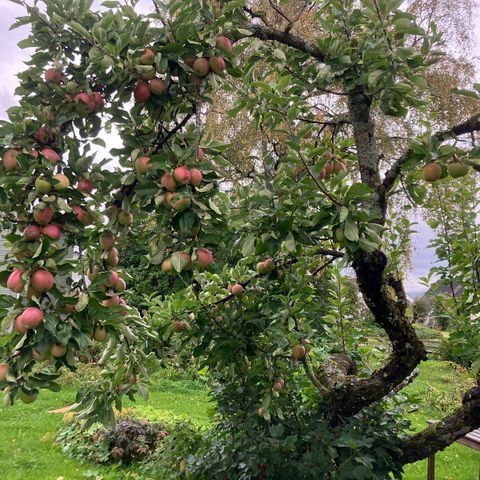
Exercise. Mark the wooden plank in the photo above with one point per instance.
(431, 467)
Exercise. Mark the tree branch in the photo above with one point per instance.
(439, 436)
(469, 126)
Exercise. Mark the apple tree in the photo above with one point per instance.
(320, 197)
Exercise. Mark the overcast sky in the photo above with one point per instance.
(11, 58)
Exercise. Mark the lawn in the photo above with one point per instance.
(27, 450)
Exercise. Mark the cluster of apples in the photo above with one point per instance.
(202, 66)
(433, 171)
(150, 83)
(202, 258)
(179, 177)
(266, 266)
(333, 166)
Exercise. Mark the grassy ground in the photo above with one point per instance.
(27, 451)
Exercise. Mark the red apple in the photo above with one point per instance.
(204, 257)
(19, 326)
(148, 58)
(81, 214)
(180, 326)
(51, 155)
(167, 181)
(42, 281)
(157, 86)
(43, 216)
(180, 204)
(200, 154)
(52, 231)
(15, 282)
(237, 290)
(298, 352)
(217, 64)
(181, 175)
(85, 186)
(142, 92)
(142, 165)
(10, 160)
(201, 67)
(120, 285)
(107, 240)
(196, 177)
(31, 233)
(53, 75)
(62, 182)
(31, 317)
(44, 135)
(58, 350)
(98, 101)
(224, 43)
(167, 265)
(85, 102)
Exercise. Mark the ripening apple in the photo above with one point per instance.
(432, 172)
(15, 282)
(186, 260)
(53, 75)
(196, 177)
(167, 265)
(204, 257)
(31, 233)
(31, 317)
(148, 57)
(148, 73)
(141, 92)
(180, 326)
(120, 285)
(180, 204)
(92, 274)
(85, 103)
(40, 357)
(237, 290)
(52, 231)
(42, 281)
(457, 169)
(62, 182)
(157, 86)
(85, 186)
(81, 214)
(167, 181)
(329, 167)
(278, 386)
(43, 215)
(142, 165)
(261, 268)
(58, 350)
(200, 154)
(98, 101)
(261, 411)
(189, 61)
(3, 372)
(107, 240)
(100, 334)
(112, 279)
(10, 160)
(44, 135)
(269, 265)
(125, 218)
(26, 397)
(224, 43)
(113, 259)
(322, 174)
(340, 236)
(339, 166)
(298, 352)
(169, 196)
(181, 175)
(51, 155)
(201, 67)
(217, 64)
(19, 326)
(42, 186)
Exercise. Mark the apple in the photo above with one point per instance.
(31, 233)
(269, 264)
(167, 181)
(167, 265)
(261, 268)
(200, 154)
(85, 103)
(181, 175)
(42, 281)
(43, 215)
(42, 186)
(217, 64)
(26, 397)
(186, 260)
(204, 257)
(120, 285)
(92, 274)
(3, 372)
(157, 86)
(69, 308)
(107, 240)
(261, 411)
(329, 167)
(180, 326)
(81, 214)
(340, 236)
(85, 186)
(432, 172)
(278, 386)
(98, 101)
(189, 61)
(201, 67)
(62, 182)
(457, 169)
(148, 73)
(19, 326)
(10, 160)
(15, 282)
(34, 154)
(53, 75)
(237, 290)
(58, 350)
(196, 177)
(31, 317)
(112, 279)
(196, 80)
(298, 352)
(224, 43)
(40, 357)
(142, 93)
(148, 58)
(142, 165)
(100, 334)
(44, 135)
(125, 218)
(323, 174)
(180, 204)
(52, 231)
(51, 155)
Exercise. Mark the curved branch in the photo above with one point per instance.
(469, 126)
(440, 435)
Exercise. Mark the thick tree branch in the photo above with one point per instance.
(386, 300)
(469, 126)
(439, 436)
(336, 369)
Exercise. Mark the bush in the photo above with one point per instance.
(129, 441)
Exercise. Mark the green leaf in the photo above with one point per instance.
(248, 248)
(465, 93)
(351, 230)
(79, 28)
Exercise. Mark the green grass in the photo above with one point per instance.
(439, 387)
(27, 450)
